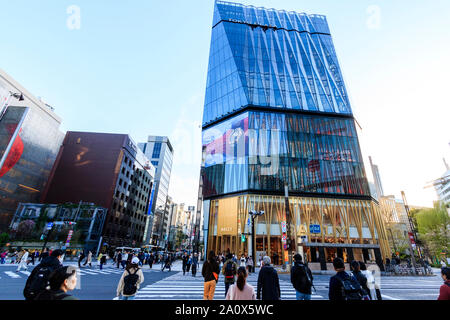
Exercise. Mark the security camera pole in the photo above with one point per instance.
(253, 214)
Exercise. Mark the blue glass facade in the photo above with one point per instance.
(276, 108)
(261, 151)
(270, 58)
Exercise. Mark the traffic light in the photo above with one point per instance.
(242, 238)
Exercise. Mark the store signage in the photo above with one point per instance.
(314, 228)
(283, 226)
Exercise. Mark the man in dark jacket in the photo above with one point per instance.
(185, 261)
(268, 282)
(38, 279)
(342, 285)
(362, 280)
(301, 279)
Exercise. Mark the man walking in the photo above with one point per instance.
(151, 258)
(268, 282)
(23, 261)
(342, 285)
(185, 259)
(229, 270)
(301, 279)
(194, 264)
(80, 258)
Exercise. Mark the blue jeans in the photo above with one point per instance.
(128, 298)
(2, 260)
(302, 296)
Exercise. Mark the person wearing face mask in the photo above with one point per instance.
(61, 281)
(39, 277)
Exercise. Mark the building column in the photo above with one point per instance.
(365, 254)
(323, 263)
(350, 256)
(378, 259)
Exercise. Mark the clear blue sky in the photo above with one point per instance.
(139, 67)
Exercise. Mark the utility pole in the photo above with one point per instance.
(290, 245)
(413, 231)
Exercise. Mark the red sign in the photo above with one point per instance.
(314, 165)
(411, 237)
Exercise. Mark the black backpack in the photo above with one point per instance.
(50, 295)
(37, 282)
(351, 288)
(130, 283)
(229, 270)
(307, 279)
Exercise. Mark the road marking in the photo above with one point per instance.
(12, 274)
(389, 297)
(26, 272)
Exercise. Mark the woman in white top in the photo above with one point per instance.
(241, 290)
(242, 264)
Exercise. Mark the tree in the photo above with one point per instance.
(4, 238)
(434, 228)
(25, 228)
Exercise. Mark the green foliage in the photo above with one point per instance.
(4, 239)
(433, 226)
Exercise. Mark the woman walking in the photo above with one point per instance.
(210, 272)
(130, 281)
(241, 290)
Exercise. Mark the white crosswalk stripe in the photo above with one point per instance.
(12, 274)
(179, 287)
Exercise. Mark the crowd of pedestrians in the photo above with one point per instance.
(50, 280)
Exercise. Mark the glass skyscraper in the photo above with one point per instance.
(277, 113)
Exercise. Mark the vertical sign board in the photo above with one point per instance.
(69, 237)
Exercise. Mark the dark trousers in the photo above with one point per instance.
(118, 263)
(194, 269)
(101, 266)
(227, 286)
(184, 269)
(150, 263)
(166, 265)
(188, 267)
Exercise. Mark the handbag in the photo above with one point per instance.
(216, 276)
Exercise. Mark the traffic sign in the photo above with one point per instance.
(314, 228)
(249, 222)
(49, 225)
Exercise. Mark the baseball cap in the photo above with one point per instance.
(135, 260)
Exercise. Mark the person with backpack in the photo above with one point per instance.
(241, 290)
(194, 264)
(130, 281)
(229, 270)
(268, 282)
(61, 281)
(39, 277)
(444, 291)
(301, 279)
(343, 286)
(355, 265)
(210, 273)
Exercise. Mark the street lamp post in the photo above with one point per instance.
(253, 214)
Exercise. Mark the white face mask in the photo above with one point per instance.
(61, 259)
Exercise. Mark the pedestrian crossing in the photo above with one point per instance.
(82, 272)
(179, 287)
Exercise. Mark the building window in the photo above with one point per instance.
(156, 150)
